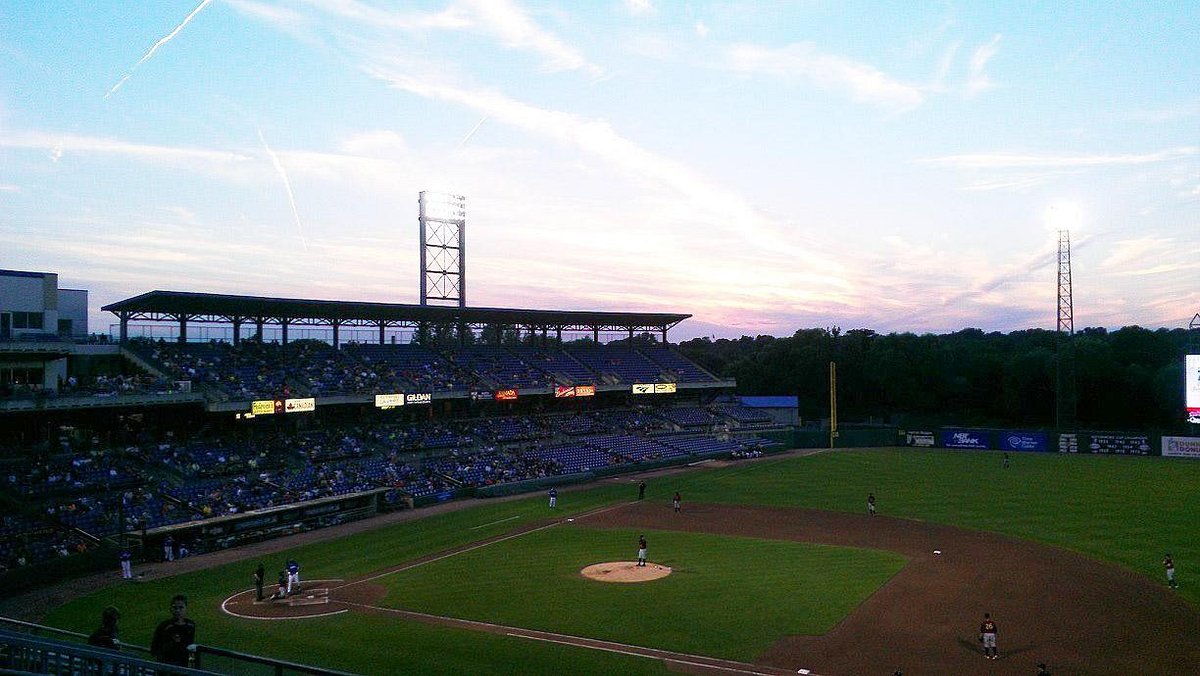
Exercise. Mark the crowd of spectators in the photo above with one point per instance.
(77, 489)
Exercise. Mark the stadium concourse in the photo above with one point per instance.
(140, 438)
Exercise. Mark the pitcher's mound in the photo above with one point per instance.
(625, 571)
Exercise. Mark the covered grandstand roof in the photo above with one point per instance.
(223, 308)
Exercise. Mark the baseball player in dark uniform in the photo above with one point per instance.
(641, 551)
(871, 504)
(259, 576)
(553, 497)
(676, 500)
(987, 636)
(1169, 566)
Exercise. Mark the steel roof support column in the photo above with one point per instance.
(382, 327)
(258, 326)
(283, 325)
(337, 325)
(124, 335)
(237, 331)
(183, 322)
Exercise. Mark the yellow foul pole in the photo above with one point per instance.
(833, 431)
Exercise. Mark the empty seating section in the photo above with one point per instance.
(575, 457)
(410, 367)
(563, 367)
(683, 370)
(689, 417)
(633, 448)
(618, 365)
(745, 415)
(500, 368)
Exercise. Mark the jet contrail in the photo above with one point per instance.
(472, 132)
(160, 43)
(287, 184)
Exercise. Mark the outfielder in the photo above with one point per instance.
(553, 497)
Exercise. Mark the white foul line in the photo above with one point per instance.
(418, 564)
(485, 525)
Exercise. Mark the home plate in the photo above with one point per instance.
(311, 597)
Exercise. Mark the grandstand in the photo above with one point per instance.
(249, 427)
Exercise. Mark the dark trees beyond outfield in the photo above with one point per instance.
(1130, 378)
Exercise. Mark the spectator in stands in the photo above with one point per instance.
(174, 637)
(106, 636)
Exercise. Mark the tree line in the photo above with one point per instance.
(1131, 378)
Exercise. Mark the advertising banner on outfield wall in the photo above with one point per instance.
(1181, 447)
(965, 439)
(919, 439)
(1068, 443)
(1024, 441)
(1191, 370)
(1119, 444)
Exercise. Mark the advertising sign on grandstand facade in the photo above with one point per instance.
(506, 395)
(1191, 372)
(654, 388)
(1181, 447)
(418, 398)
(386, 401)
(1024, 441)
(306, 405)
(1068, 443)
(482, 396)
(262, 407)
(562, 391)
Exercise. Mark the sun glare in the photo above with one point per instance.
(1063, 216)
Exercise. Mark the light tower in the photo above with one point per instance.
(443, 220)
(1065, 397)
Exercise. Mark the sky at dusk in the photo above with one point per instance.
(764, 166)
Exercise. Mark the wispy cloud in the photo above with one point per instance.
(1016, 160)
(862, 82)
(287, 185)
(164, 40)
(59, 144)
(599, 139)
(275, 14)
(1013, 183)
(502, 20)
(978, 80)
(5, 187)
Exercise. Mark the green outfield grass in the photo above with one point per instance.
(1128, 510)
(1125, 510)
(727, 597)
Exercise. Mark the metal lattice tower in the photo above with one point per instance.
(1066, 401)
(443, 220)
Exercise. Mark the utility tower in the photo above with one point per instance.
(1066, 400)
(443, 220)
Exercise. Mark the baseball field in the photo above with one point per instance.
(774, 567)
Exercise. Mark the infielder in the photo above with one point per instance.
(553, 497)
(1169, 565)
(987, 636)
(871, 504)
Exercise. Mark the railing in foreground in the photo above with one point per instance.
(26, 647)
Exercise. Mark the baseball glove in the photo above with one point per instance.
(981, 638)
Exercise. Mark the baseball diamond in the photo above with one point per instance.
(921, 617)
